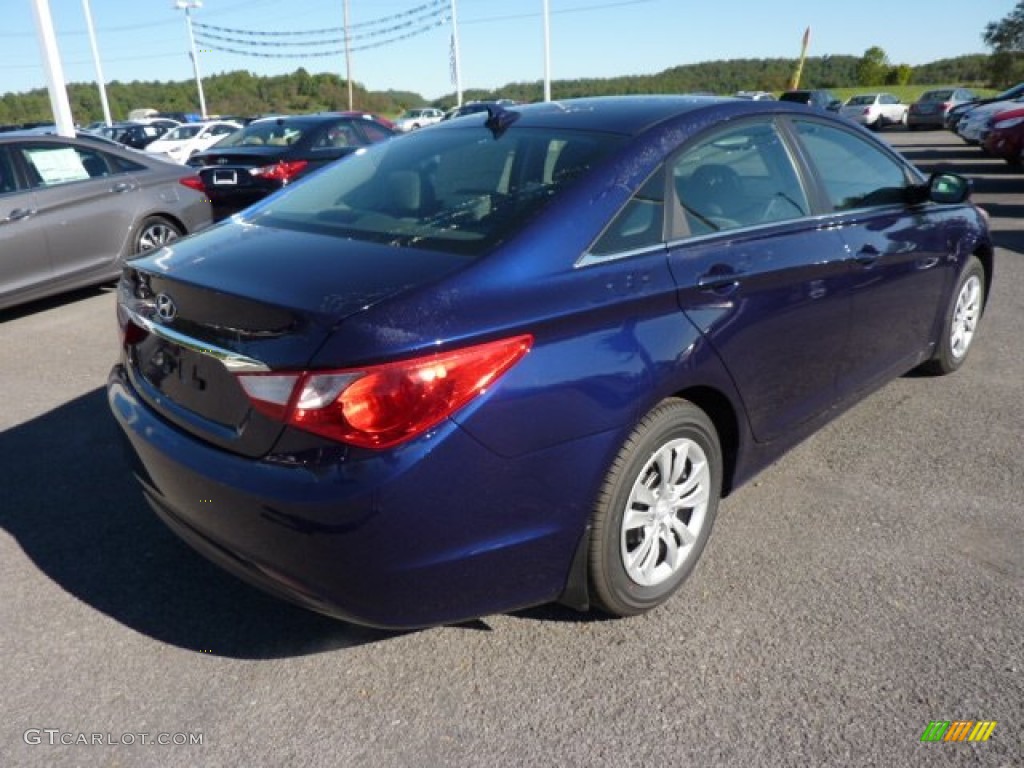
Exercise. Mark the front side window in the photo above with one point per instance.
(739, 177)
(854, 173)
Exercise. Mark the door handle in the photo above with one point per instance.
(867, 256)
(21, 213)
(719, 278)
(121, 187)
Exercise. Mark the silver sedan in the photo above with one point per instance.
(71, 211)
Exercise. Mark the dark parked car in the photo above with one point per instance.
(518, 357)
(72, 210)
(137, 135)
(930, 110)
(272, 152)
(814, 98)
(954, 115)
(1005, 138)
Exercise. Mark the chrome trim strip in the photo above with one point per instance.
(233, 361)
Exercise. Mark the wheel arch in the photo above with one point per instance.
(986, 255)
(723, 416)
(134, 233)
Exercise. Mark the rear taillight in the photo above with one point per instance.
(381, 406)
(867, 111)
(284, 171)
(193, 182)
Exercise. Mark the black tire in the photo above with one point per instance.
(154, 232)
(677, 431)
(960, 321)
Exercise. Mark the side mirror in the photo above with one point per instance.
(948, 188)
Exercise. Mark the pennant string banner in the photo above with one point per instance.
(207, 41)
(426, 11)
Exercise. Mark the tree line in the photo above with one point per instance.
(244, 93)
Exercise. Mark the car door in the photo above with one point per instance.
(24, 260)
(84, 202)
(899, 264)
(764, 282)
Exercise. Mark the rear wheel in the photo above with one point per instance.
(155, 232)
(961, 320)
(656, 509)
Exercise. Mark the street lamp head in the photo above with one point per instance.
(185, 4)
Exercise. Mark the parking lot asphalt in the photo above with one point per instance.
(870, 582)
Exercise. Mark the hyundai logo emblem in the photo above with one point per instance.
(165, 308)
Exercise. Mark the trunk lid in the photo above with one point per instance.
(248, 298)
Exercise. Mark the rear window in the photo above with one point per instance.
(937, 96)
(279, 133)
(859, 100)
(462, 191)
(183, 132)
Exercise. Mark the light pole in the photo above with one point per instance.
(187, 6)
(455, 63)
(547, 52)
(348, 59)
(96, 59)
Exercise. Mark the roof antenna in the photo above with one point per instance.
(499, 119)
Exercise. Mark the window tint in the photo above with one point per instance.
(639, 224)
(855, 174)
(738, 177)
(52, 164)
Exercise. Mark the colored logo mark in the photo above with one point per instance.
(958, 730)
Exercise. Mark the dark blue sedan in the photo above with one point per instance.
(519, 357)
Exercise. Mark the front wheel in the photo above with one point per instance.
(961, 320)
(656, 508)
(155, 232)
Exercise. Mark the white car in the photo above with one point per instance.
(179, 144)
(875, 110)
(975, 125)
(412, 119)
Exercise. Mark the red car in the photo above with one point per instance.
(1006, 138)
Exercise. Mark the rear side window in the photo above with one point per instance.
(640, 224)
(50, 165)
(7, 182)
(739, 177)
(854, 173)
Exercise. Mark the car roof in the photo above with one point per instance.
(613, 114)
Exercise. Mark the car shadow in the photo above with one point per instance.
(75, 509)
(51, 302)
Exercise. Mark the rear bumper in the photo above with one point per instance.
(1005, 144)
(937, 120)
(438, 532)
